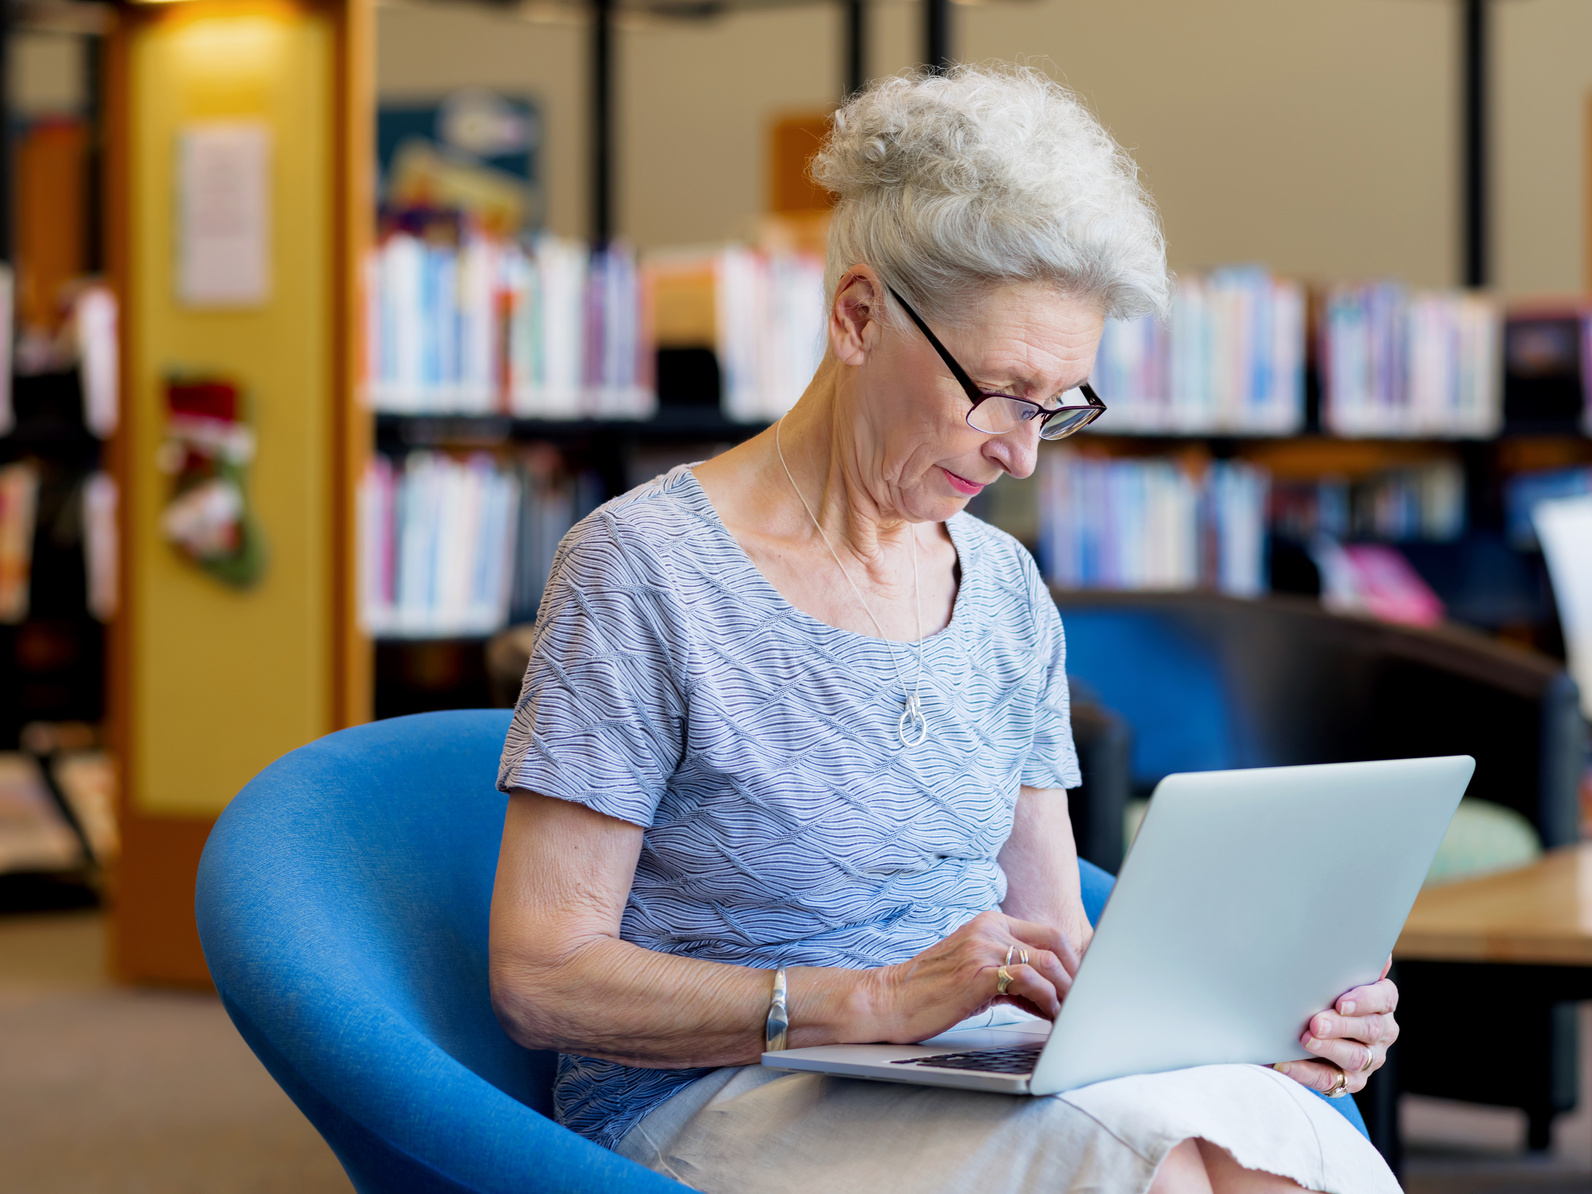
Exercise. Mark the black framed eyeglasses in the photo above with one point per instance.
(997, 414)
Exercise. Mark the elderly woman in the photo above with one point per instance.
(793, 714)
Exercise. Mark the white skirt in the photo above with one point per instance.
(750, 1130)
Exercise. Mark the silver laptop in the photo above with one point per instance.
(1249, 901)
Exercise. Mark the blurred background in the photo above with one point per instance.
(330, 318)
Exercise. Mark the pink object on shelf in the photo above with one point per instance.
(1374, 579)
(1389, 588)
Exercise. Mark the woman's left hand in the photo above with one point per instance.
(1353, 1036)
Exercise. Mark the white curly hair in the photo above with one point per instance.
(951, 184)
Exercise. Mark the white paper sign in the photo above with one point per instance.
(224, 214)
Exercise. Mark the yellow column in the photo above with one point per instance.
(212, 683)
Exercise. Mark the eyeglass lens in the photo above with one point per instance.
(998, 415)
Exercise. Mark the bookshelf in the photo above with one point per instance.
(52, 637)
(1241, 443)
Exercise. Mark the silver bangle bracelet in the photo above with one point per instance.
(778, 1026)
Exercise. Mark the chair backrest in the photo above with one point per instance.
(343, 904)
(1207, 681)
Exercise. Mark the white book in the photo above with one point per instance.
(1433, 376)
(374, 513)
(478, 327)
(738, 306)
(1189, 383)
(562, 266)
(458, 516)
(101, 545)
(94, 318)
(401, 270)
(411, 598)
(1284, 409)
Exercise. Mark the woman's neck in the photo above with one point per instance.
(837, 474)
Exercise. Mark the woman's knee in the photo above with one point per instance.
(1182, 1171)
(1226, 1176)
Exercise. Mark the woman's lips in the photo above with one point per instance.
(961, 484)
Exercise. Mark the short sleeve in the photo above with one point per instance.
(1052, 760)
(600, 719)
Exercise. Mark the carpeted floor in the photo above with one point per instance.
(112, 1090)
(1460, 1148)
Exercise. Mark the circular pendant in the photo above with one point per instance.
(912, 723)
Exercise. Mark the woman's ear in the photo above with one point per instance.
(854, 317)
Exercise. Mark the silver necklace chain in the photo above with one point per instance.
(912, 716)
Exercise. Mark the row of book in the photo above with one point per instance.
(1396, 362)
(770, 321)
(553, 329)
(556, 329)
(1230, 359)
(451, 547)
(1151, 524)
(1425, 502)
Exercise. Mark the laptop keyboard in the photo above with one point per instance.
(1008, 1059)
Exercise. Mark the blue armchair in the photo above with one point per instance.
(343, 904)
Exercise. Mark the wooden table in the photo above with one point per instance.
(1537, 915)
(1513, 945)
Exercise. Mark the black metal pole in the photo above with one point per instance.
(7, 166)
(94, 114)
(856, 46)
(602, 121)
(1474, 212)
(937, 35)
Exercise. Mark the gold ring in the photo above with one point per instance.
(1016, 951)
(1003, 979)
(1370, 1058)
(1340, 1087)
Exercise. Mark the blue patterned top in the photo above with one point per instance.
(670, 685)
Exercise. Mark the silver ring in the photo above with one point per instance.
(1018, 952)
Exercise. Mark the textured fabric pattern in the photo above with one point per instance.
(670, 685)
(751, 1130)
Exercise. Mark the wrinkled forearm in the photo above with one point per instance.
(607, 998)
(1040, 859)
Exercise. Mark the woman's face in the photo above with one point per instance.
(1023, 339)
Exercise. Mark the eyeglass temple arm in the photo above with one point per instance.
(966, 382)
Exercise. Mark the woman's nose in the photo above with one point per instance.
(1017, 451)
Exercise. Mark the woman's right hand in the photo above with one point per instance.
(957, 978)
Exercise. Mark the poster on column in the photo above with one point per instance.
(224, 214)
